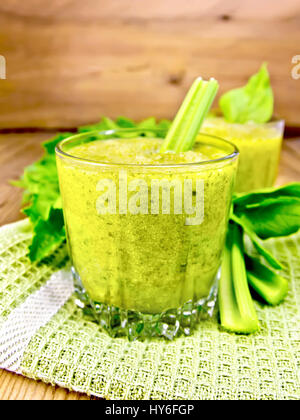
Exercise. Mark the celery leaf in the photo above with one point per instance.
(252, 102)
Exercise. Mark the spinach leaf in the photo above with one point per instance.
(270, 213)
(264, 252)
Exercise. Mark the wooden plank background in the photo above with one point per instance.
(70, 61)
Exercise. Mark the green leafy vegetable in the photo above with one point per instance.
(50, 145)
(252, 102)
(124, 122)
(269, 285)
(104, 124)
(260, 215)
(43, 201)
(48, 235)
(257, 243)
(259, 196)
(270, 213)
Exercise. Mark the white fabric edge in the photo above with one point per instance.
(24, 321)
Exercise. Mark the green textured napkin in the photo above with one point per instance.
(44, 335)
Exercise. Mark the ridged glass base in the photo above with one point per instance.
(136, 325)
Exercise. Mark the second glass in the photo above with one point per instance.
(259, 146)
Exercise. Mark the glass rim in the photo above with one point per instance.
(60, 152)
(274, 121)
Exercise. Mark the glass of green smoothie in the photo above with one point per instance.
(145, 229)
(259, 145)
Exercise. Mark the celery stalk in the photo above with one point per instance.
(237, 312)
(189, 118)
(269, 285)
(229, 311)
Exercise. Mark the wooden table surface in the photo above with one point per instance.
(18, 150)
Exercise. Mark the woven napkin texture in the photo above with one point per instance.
(45, 335)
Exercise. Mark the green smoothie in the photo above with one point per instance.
(130, 251)
(259, 146)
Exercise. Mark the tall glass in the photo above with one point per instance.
(145, 240)
(259, 146)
